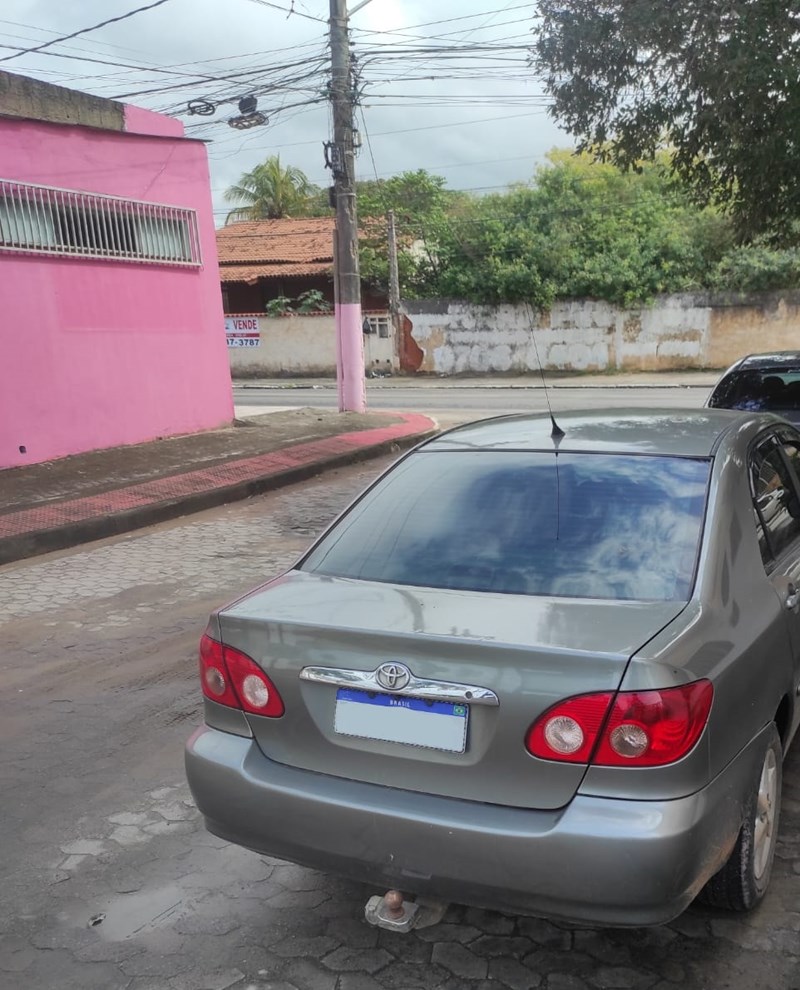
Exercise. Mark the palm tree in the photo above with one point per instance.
(270, 191)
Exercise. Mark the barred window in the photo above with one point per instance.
(45, 220)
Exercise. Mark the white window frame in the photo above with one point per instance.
(36, 219)
(380, 324)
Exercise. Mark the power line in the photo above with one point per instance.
(448, 20)
(402, 33)
(101, 61)
(369, 143)
(406, 130)
(170, 69)
(470, 32)
(196, 78)
(93, 27)
(91, 41)
(246, 75)
(290, 11)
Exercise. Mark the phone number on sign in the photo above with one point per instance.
(243, 341)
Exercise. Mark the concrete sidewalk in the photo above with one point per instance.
(90, 496)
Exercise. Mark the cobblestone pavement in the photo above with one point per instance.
(109, 879)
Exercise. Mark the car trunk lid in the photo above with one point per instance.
(526, 652)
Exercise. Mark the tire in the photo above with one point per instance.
(743, 880)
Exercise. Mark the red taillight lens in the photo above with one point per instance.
(652, 728)
(576, 720)
(643, 728)
(231, 678)
(214, 676)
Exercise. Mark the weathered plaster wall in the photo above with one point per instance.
(680, 331)
(770, 323)
(99, 353)
(297, 345)
(288, 345)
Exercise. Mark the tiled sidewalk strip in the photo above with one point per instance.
(70, 522)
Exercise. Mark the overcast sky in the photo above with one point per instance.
(478, 119)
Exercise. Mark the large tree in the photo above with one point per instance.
(270, 191)
(420, 203)
(716, 81)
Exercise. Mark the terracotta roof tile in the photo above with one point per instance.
(298, 240)
(252, 273)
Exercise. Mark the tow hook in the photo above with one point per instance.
(396, 914)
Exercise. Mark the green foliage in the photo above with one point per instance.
(312, 301)
(279, 306)
(270, 191)
(581, 229)
(758, 268)
(715, 81)
(411, 195)
(421, 206)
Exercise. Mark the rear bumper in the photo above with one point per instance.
(599, 860)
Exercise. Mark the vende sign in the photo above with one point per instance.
(242, 331)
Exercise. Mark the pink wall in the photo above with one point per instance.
(141, 121)
(102, 353)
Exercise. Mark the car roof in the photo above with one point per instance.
(775, 359)
(671, 432)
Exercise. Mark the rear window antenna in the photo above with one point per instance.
(556, 433)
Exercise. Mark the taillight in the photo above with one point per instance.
(214, 676)
(231, 678)
(641, 729)
(568, 731)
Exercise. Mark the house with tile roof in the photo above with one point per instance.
(262, 260)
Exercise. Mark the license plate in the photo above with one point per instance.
(438, 725)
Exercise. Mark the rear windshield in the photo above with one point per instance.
(769, 390)
(588, 526)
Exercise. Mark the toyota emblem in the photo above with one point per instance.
(393, 676)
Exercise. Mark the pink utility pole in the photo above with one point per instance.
(349, 339)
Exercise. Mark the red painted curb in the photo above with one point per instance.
(60, 524)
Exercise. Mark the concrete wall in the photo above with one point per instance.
(681, 331)
(102, 353)
(21, 96)
(265, 346)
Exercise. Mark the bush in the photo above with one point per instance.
(279, 306)
(581, 229)
(757, 268)
(312, 301)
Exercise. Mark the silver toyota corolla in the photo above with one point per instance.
(542, 669)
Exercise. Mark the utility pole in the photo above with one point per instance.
(394, 286)
(349, 339)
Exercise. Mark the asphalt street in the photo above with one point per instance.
(451, 402)
(109, 881)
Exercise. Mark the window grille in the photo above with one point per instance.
(38, 219)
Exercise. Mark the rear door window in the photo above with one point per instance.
(770, 390)
(775, 496)
(575, 525)
(790, 444)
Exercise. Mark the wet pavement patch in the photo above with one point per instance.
(130, 915)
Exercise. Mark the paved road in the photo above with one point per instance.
(110, 881)
(454, 402)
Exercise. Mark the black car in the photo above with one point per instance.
(761, 382)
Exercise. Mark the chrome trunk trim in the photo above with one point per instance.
(418, 687)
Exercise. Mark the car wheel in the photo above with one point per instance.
(743, 880)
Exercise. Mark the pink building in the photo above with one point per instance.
(111, 323)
